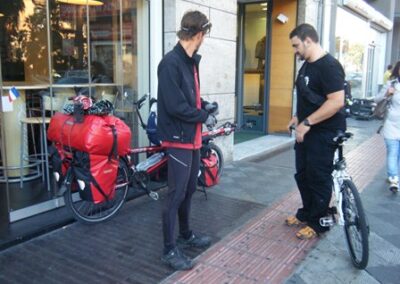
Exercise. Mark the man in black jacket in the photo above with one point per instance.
(181, 113)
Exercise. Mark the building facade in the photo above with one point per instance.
(110, 49)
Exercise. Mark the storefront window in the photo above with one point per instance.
(69, 43)
(52, 50)
(23, 42)
(351, 44)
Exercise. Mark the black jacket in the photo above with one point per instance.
(177, 112)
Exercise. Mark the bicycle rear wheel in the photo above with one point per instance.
(355, 225)
(88, 212)
(220, 158)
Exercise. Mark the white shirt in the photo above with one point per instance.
(391, 126)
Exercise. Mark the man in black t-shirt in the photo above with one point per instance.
(320, 97)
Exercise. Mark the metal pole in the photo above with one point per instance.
(44, 136)
(89, 58)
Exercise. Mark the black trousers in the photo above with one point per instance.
(314, 166)
(183, 169)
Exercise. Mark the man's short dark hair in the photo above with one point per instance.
(192, 23)
(303, 31)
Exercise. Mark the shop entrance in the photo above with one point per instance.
(253, 46)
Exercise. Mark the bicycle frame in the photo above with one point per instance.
(207, 136)
(339, 175)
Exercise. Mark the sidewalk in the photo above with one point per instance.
(243, 215)
(267, 251)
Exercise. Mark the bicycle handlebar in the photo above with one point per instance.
(225, 129)
(140, 102)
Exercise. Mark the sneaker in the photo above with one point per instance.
(392, 179)
(194, 240)
(177, 260)
(394, 186)
(292, 221)
(307, 233)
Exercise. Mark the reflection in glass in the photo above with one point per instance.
(23, 42)
(350, 49)
(69, 43)
(128, 72)
(82, 2)
(104, 42)
(82, 48)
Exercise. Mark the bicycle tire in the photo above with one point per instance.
(220, 158)
(355, 225)
(90, 213)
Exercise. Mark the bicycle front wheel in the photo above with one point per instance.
(88, 212)
(355, 225)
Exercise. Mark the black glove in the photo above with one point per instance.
(210, 122)
(212, 108)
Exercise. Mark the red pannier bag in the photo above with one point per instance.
(58, 161)
(96, 176)
(95, 135)
(208, 170)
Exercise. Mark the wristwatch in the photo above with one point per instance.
(306, 122)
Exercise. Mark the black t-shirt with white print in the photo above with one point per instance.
(322, 77)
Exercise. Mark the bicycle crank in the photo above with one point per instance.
(153, 195)
(143, 179)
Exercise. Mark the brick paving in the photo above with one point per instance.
(251, 243)
(264, 250)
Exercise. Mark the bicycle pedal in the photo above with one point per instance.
(153, 195)
(327, 221)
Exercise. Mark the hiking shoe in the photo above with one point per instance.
(194, 240)
(394, 186)
(177, 260)
(307, 233)
(292, 221)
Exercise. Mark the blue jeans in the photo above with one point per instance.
(392, 157)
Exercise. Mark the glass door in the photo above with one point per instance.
(253, 45)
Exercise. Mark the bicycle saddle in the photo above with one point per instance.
(342, 136)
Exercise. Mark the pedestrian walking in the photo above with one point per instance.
(320, 97)
(181, 113)
(391, 126)
(387, 73)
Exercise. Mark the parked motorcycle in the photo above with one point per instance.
(362, 109)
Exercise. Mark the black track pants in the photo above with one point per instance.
(314, 166)
(183, 168)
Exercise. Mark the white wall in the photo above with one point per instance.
(218, 64)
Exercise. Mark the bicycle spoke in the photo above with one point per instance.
(355, 225)
(88, 212)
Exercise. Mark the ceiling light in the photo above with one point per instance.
(264, 4)
(82, 2)
(265, 9)
(1, 15)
